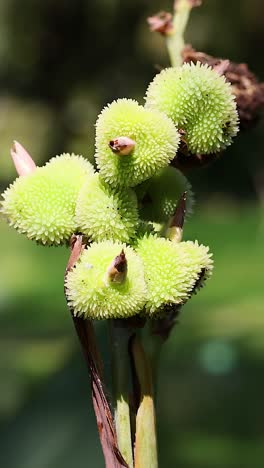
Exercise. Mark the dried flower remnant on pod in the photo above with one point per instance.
(101, 286)
(155, 142)
(122, 145)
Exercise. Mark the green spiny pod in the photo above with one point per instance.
(71, 165)
(197, 262)
(163, 193)
(103, 213)
(200, 103)
(164, 276)
(171, 271)
(42, 204)
(107, 282)
(133, 143)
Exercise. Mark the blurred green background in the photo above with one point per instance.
(60, 63)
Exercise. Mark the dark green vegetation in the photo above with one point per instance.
(60, 63)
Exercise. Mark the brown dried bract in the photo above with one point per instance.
(222, 67)
(179, 215)
(175, 229)
(245, 86)
(77, 246)
(161, 22)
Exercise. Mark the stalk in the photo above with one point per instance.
(175, 40)
(146, 440)
(120, 372)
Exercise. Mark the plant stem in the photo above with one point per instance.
(158, 332)
(155, 344)
(146, 440)
(120, 370)
(175, 40)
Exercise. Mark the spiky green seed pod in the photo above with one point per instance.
(103, 213)
(155, 142)
(163, 193)
(200, 102)
(197, 262)
(71, 165)
(92, 291)
(164, 276)
(42, 204)
(171, 271)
